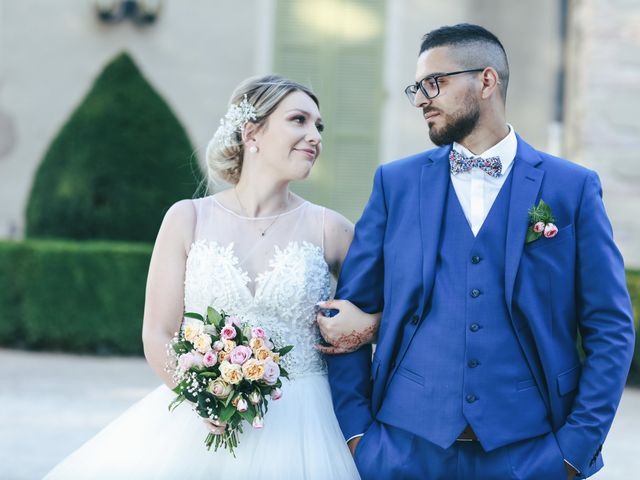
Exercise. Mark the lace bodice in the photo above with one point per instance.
(294, 278)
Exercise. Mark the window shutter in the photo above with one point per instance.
(336, 47)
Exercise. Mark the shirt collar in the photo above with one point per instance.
(505, 149)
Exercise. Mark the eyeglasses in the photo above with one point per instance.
(429, 85)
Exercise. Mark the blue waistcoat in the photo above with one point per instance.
(464, 355)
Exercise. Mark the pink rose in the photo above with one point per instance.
(240, 354)
(550, 230)
(233, 320)
(276, 394)
(258, 422)
(210, 359)
(228, 332)
(258, 332)
(538, 227)
(218, 345)
(198, 359)
(186, 361)
(271, 372)
(242, 405)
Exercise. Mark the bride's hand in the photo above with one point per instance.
(350, 329)
(214, 426)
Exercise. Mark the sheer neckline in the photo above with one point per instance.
(304, 202)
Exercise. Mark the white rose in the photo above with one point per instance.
(193, 328)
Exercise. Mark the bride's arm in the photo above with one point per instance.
(351, 327)
(164, 299)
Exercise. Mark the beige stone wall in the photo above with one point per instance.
(50, 52)
(603, 99)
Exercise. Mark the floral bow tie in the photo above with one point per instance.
(459, 163)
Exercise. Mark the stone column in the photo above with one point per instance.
(602, 128)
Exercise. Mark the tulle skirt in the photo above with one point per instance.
(300, 440)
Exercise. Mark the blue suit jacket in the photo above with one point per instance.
(573, 282)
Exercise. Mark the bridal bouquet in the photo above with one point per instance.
(227, 369)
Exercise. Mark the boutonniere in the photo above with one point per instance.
(541, 223)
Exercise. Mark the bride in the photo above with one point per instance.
(258, 251)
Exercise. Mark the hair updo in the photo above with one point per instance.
(224, 161)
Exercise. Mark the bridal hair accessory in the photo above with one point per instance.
(233, 122)
(541, 223)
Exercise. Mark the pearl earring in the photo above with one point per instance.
(253, 149)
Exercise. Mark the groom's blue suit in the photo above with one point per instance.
(482, 331)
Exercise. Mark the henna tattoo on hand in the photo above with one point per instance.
(350, 342)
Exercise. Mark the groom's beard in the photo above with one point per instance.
(459, 126)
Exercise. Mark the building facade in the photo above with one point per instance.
(358, 55)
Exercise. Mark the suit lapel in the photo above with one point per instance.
(527, 180)
(434, 181)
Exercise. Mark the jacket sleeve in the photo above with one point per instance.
(605, 321)
(361, 282)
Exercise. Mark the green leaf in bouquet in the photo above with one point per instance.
(208, 374)
(284, 350)
(227, 412)
(249, 414)
(197, 316)
(182, 347)
(176, 402)
(240, 338)
(189, 396)
(284, 373)
(214, 317)
(180, 388)
(206, 402)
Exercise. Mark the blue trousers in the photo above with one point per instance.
(389, 453)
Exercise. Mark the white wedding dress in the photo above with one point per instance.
(274, 281)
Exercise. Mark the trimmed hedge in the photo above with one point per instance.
(118, 163)
(633, 284)
(73, 296)
(89, 297)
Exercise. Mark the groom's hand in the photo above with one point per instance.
(571, 472)
(353, 444)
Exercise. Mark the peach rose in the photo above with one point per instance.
(231, 372)
(253, 369)
(202, 343)
(263, 354)
(256, 343)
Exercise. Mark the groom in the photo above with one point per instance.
(476, 374)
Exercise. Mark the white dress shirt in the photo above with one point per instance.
(476, 191)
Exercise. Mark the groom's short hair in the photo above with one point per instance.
(472, 47)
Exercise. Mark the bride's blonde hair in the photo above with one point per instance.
(224, 159)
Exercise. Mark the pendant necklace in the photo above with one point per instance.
(262, 232)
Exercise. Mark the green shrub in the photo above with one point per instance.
(73, 296)
(633, 284)
(120, 160)
(89, 297)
